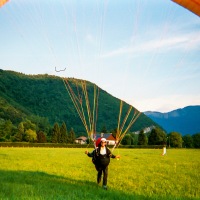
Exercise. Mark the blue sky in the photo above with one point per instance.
(145, 52)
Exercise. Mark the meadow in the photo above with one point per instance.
(67, 173)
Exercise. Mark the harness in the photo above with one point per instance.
(101, 160)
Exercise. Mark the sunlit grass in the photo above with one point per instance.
(48, 173)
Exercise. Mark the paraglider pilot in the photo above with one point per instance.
(101, 159)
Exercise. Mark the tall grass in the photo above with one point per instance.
(48, 173)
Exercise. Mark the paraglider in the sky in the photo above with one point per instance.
(192, 5)
(2, 2)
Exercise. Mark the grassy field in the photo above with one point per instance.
(48, 173)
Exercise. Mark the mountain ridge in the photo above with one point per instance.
(184, 120)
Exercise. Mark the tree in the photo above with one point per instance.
(55, 133)
(134, 138)
(71, 136)
(49, 134)
(29, 125)
(7, 129)
(42, 123)
(127, 140)
(41, 137)
(63, 133)
(157, 137)
(175, 139)
(142, 138)
(196, 140)
(188, 141)
(2, 121)
(30, 135)
(20, 132)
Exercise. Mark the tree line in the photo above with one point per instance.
(27, 131)
(38, 130)
(158, 137)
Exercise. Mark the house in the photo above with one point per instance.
(109, 137)
(81, 140)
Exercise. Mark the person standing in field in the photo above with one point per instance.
(101, 159)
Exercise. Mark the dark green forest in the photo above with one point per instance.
(42, 100)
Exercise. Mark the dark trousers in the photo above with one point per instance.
(104, 170)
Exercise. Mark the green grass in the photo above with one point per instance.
(48, 173)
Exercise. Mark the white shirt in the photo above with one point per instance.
(103, 150)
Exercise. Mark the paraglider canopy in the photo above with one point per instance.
(98, 142)
(2, 2)
(192, 5)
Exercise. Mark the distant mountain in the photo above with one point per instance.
(45, 97)
(184, 121)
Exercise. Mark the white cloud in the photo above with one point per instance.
(164, 103)
(144, 45)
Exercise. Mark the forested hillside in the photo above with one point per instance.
(44, 100)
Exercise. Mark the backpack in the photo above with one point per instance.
(96, 155)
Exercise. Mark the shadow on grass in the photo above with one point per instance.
(40, 185)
